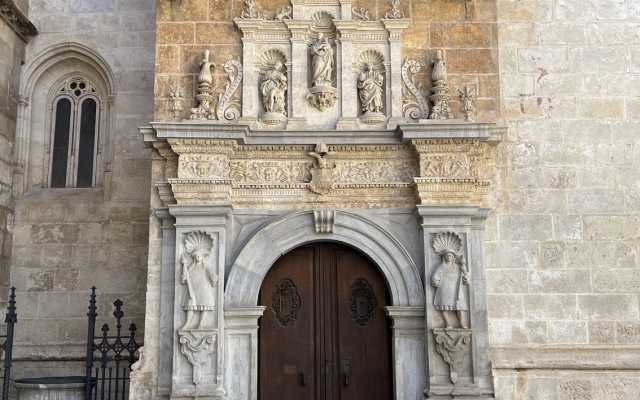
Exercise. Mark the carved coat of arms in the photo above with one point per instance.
(322, 170)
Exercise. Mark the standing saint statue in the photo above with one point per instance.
(451, 278)
(322, 62)
(273, 87)
(370, 89)
(199, 278)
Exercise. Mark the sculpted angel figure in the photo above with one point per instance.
(322, 62)
(370, 89)
(273, 87)
(451, 278)
(199, 278)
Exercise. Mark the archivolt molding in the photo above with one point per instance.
(294, 230)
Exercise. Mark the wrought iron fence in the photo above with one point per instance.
(7, 343)
(109, 357)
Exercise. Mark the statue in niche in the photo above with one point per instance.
(273, 88)
(371, 92)
(199, 278)
(322, 62)
(323, 94)
(451, 279)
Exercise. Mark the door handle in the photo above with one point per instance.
(346, 371)
(302, 378)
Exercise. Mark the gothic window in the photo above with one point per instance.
(75, 123)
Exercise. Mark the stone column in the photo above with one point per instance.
(457, 357)
(348, 89)
(241, 352)
(395, 28)
(298, 73)
(198, 326)
(408, 351)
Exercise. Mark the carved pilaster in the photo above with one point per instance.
(394, 28)
(198, 325)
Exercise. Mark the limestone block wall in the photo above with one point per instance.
(67, 240)
(563, 250)
(188, 27)
(12, 50)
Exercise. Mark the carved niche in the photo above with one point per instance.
(371, 87)
(273, 86)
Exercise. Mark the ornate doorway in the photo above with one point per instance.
(324, 334)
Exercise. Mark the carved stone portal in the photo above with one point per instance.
(453, 345)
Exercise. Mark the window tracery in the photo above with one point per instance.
(74, 134)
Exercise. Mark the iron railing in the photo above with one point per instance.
(109, 357)
(7, 343)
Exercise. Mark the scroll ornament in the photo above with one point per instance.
(228, 108)
(416, 106)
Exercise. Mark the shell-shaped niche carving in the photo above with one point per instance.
(371, 86)
(446, 242)
(273, 85)
(322, 21)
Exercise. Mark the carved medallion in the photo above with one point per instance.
(363, 302)
(286, 302)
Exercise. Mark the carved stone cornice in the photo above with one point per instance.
(16, 19)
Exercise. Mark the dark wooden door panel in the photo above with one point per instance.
(287, 351)
(363, 334)
(324, 334)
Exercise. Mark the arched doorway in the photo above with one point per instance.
(324, 333)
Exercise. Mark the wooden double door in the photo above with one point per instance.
(324, 334)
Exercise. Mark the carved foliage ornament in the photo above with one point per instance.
(453, 345)
(394, 10)
(197, 352)
(286, 302)
(363, 302)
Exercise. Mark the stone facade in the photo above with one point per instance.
(557, 254)
(563, 247)
(67, 240)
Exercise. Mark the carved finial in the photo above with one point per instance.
(440, 97)
(360, 14)
(204, 96)
(394, 10)
(175, 101)
(467, 97)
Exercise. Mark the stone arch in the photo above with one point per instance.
(39, 76)
(278, 237)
